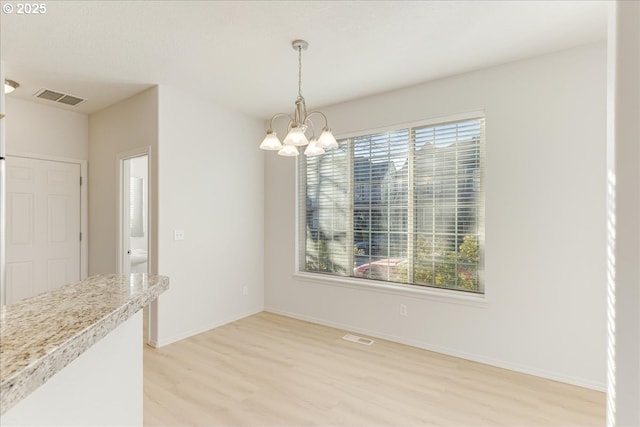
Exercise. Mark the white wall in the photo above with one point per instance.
(210, 180)
(207, 182)
(545, 222)
(126, 125)
(34, 128)
(51, 133)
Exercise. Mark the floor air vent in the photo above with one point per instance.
(359, 340)
(62, 98)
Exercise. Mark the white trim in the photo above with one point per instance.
(84, 202)
(120, 158)
(529, 370)
(123, 221)
(152, 324)
(2, 191)
(296, 218)
(443, 295)
(413, 291)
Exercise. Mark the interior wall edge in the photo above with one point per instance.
(205, 327)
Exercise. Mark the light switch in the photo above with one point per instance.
(178, 234)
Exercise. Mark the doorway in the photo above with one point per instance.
(134, 250)
(133, 253)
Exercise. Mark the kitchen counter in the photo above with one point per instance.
(39, 336)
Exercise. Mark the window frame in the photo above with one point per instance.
(416, 290)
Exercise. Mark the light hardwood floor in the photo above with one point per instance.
(270, 370)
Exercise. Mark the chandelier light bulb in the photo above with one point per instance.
(10, 86)
(288, 151)
(327, 140)
(296, 137)
(271, 141)
(314, 148)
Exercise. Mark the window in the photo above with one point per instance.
(403, 206)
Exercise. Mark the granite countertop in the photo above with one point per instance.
(41, 335)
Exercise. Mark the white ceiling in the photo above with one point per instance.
(238, 53)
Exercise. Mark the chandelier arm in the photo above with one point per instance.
(275, 116)
(326, 122)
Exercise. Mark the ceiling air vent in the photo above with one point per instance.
(62, 98)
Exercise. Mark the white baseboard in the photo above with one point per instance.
(200, 329)
(580, 382)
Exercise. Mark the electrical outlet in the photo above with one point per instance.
(245, 290)
(403, 310)
(178, 234)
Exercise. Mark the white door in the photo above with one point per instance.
(43, 226)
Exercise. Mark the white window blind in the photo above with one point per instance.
(402, 206)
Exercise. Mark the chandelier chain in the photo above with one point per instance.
(299, 71)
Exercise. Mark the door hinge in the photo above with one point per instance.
(80, 181)
(81, 236)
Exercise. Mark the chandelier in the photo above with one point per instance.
(299, 124)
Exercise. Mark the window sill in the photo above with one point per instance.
(433, 294)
